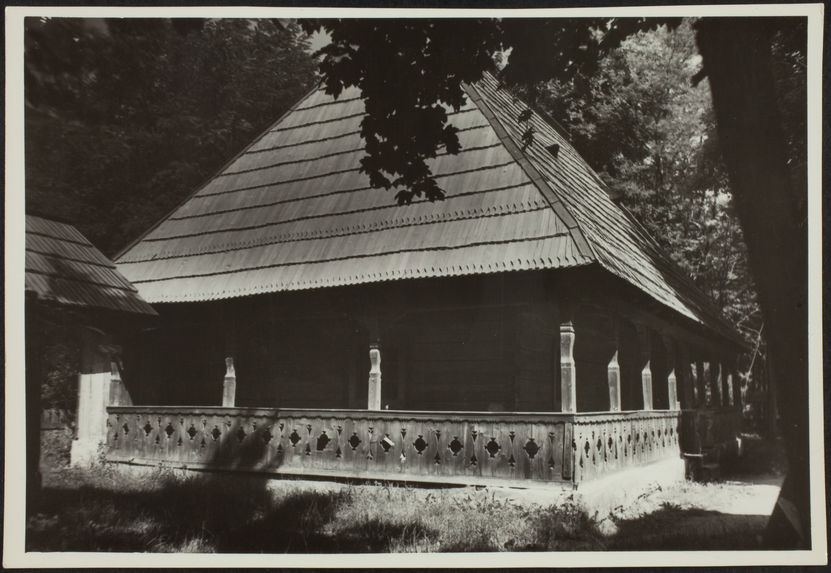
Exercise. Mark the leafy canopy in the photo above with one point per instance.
(411, 72)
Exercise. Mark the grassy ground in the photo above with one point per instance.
(102, 510)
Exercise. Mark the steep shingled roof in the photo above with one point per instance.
(63, 267)
(293, 212)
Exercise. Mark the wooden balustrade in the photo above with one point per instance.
(415, 446)
(606, 443)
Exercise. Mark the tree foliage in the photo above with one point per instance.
(651, 135)
(124, 117)
(410, 73)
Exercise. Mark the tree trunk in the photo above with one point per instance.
(737, 59)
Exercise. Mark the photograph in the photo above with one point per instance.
(457, 287)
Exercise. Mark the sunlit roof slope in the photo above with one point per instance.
(63, 267)
(294, 212)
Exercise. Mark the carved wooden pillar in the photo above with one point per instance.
(568, 369)
(700, 384)
(119, 396)
(672, 377)
(613, 374)
(646, 367)
(374, 388)
(684, 375)
(715, 382)
(737, 386)
(229, 385)
(726, 385)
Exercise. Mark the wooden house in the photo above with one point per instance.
(75, 294)
(526, 327)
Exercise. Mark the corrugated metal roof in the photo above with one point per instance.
(294, 212)
(62, 266)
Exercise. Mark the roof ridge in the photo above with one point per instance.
(583, 245)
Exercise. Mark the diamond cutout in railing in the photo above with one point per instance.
(354, 441)
(420, 445)
(387, 443)
(267, 435)
(191, 431)
(531, 448)
(126, 428)
(294, 437)
(169, 429)
(147, 428)
(493, 448)
(241, 434)
(455, 446)
(322, 441)
(215, 433)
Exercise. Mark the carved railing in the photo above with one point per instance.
(605, 443)
(429, 446)
(416, 446)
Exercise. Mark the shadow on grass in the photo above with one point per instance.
(205, 513)
(673, 528)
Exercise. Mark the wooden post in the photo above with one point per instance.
(700, 384)
(568, 370)
(737, 386)
(374, 389)
(119, 396)
(726, 383)
(613, 373)
(685, 377)
(672, 379)
(229, 385)
(646, 370)
(94, 392)
(715, 382)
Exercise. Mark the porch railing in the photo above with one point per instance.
(416, 446)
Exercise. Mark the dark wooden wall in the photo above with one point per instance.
(471, 343)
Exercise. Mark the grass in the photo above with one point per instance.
(99, 509)
(87, 510)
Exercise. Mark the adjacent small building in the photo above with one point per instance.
(73, 287)
(524, 328)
